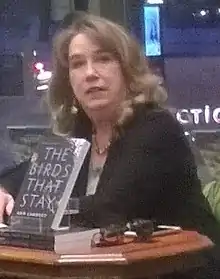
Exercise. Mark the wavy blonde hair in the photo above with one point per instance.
(142, 85)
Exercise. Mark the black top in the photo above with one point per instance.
(149, 173)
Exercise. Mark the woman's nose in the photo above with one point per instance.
(91, 70)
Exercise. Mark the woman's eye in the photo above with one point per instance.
(76, 64)
(104, 58)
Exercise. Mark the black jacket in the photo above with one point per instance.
(149, 173)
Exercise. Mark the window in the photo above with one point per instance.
(11, 75)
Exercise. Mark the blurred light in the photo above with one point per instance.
(44, 75)
(42, 87)
(154, 2)
(39, 66)
(187, 133)
(193, 139)
(34, 53)
(218, 11)
(203, 12)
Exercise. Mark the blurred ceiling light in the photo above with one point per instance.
(42, 87)
(154, 2)
(44, 75)
(203, 12)
(39, 66)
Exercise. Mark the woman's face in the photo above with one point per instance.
(95, 76)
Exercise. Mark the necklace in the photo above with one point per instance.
(98, 150)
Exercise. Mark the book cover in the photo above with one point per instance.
(48, 183)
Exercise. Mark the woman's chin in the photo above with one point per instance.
(98, 104)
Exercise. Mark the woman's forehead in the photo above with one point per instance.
(93, 40)
(82, 39)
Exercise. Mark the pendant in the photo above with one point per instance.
(101, 151)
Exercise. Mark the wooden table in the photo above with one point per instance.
(162, 255)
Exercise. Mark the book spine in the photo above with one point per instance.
(78, 162)
(24, 243)
(26, 235)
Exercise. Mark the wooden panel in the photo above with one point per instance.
(160, 255)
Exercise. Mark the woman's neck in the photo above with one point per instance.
(103, 128)
(103, 121)
(102, 137)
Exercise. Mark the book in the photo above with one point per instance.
(45, 195)
(51, 241)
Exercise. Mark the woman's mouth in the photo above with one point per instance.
(95, 89)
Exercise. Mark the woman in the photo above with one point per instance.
(140, 164)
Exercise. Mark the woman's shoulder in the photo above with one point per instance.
(157, 126)
(156, 116)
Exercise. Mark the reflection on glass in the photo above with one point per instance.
(152, 30)
(208, 144)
